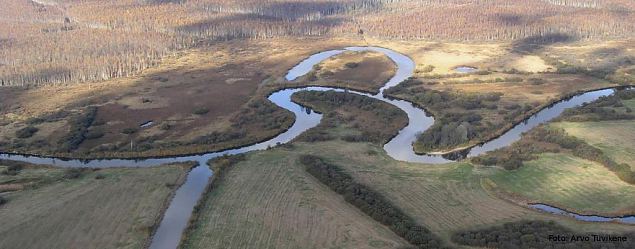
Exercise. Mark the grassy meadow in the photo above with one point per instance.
(107, 208)
(269, 198)
(271, 202)
(614, 138)
(366, 71)
(570, 183)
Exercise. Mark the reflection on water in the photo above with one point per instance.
(177, 215)
(465, 69)
(592, 218)
(146, 124)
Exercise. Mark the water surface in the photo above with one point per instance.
(590, 218)
(176, 217)
(465, 69)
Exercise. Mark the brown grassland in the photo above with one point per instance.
(107, 208)
(46, 42)
(364, 71)
(503, 69)
(227, 84)
(211, 98)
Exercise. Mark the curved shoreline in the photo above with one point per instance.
(400, 147)
(529, 115)
(546, 208)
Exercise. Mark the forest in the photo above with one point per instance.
(69, 41)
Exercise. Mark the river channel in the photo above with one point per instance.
(176, 217)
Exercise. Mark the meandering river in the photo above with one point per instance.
(176, 217)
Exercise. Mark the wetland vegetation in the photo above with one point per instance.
(171, 79)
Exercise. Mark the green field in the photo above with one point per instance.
(615, 138)
(269, 201)
(570, 183)
(108, 208)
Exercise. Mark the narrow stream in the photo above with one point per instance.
(630, 219)
(176, 217)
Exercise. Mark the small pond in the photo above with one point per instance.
(465, 69)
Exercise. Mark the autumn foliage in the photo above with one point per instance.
(69, 41)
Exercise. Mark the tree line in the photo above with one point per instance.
(543, 139)
(535, 234)
(371, 203)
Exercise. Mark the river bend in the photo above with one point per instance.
(176, 217)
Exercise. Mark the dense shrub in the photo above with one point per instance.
(361, 106)
(456, 121)
(94, 134)
(427, 69)
(371, 203)
(351, 64)
(534, 234)
(35, 121)
(200, 111)
(219, 137)
(26, 132)
(78, 128)
(165, 126)
(73, 173)
(13, 168)
(357, 138)
(221, 164)
(129, 130)
(2, 201)
(315, 135)
(262, 112)
(446, 135)
(605, 108)
(542, 139)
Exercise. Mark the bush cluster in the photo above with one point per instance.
(221, 164)
(351, 64)
(531, 234)
(330, 101)
(78, 129)
(542, 139)
(261, 112)
(457, 123)
(73, 173)
(26, 132)
(13, 167)
(200, 111)
(581, 149)
(605, 108)
(370, 202)
(219, 137)
(129, 130)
